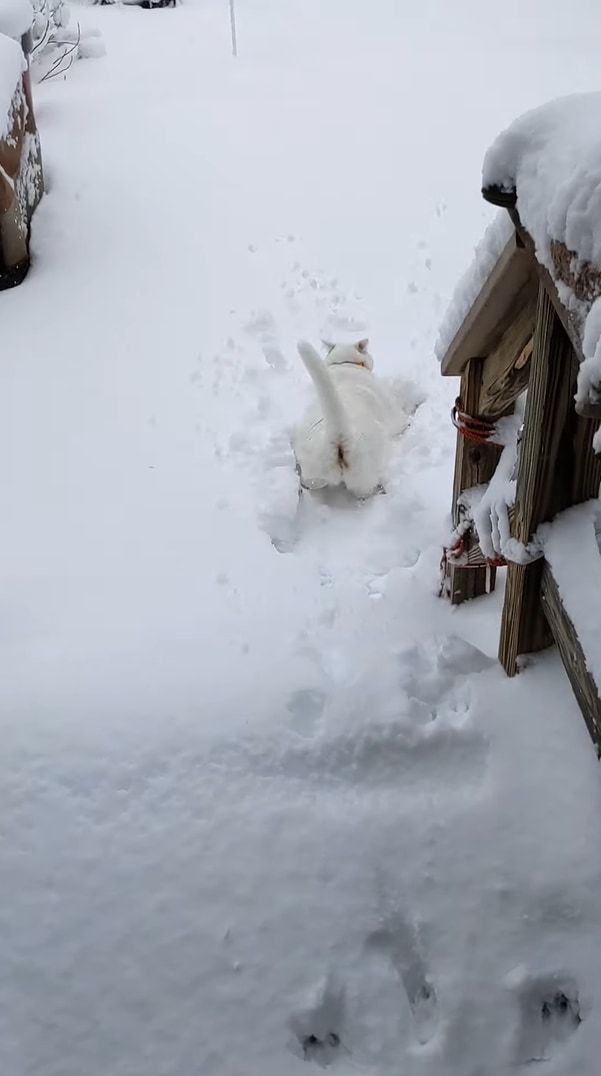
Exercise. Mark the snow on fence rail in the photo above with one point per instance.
(532, 324)
(548, 166)
(572, 573)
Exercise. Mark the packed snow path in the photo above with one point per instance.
(267, 803)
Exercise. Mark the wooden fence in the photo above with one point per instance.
(518, 335)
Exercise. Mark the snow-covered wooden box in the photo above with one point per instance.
(21, 180)
(524, 335)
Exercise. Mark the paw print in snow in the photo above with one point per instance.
(317, 1028)
(549, 1014)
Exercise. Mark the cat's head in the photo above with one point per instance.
(351, 353)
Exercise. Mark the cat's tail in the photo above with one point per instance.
(333, 411)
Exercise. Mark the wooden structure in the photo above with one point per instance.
(21, 181)
(518, 335)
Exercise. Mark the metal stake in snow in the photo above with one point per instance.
(233, 26)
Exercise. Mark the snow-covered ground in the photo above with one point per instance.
(266, 801)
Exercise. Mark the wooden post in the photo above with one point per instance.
(572, 655)
(506, 370)
(546, 476)
(586, 475)
(474, 465)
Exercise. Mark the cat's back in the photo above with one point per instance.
(361, 391)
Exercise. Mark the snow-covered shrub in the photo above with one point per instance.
(50, 18)
(56, 44)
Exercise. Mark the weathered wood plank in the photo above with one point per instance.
(492, 311)
(572, 655)
(467, 583)
(544, 478)
(506, 370)
(474, 465)
(586, 475)
(548, 283)
(585, 409)
(523, 629)
(558, 468)
(546, 460)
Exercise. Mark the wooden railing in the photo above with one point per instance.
(517, 335)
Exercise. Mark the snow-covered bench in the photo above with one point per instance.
(527, 316)
(20, 158)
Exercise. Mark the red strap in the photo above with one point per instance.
(473, 429)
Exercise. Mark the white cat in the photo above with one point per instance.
(345, 438)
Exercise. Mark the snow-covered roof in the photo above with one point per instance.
(11, 67)
(499, 288)
(551, 158)
(16, 17)
(486, 256)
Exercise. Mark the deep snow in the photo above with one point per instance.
(11, 66)
(15, 17)
(267, 801)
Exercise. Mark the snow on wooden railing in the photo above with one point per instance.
(548, 166)
(571, 575)
(534, 325)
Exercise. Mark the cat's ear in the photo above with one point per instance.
(362, 346)
(328, 345)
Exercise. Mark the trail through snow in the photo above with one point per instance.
(268, 803)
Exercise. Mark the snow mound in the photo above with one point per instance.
(551, 156)
(11, 66)
(16, 17)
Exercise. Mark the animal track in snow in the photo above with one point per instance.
(377, 757)
(382, 757)
(318, 1027)
(398, 940)
(423, 735)
(278, 493)
(431, 672)
(419, 737)
(308, 292)
(549, 1015)
(306, 707)
(260, 324)
(274, 357)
